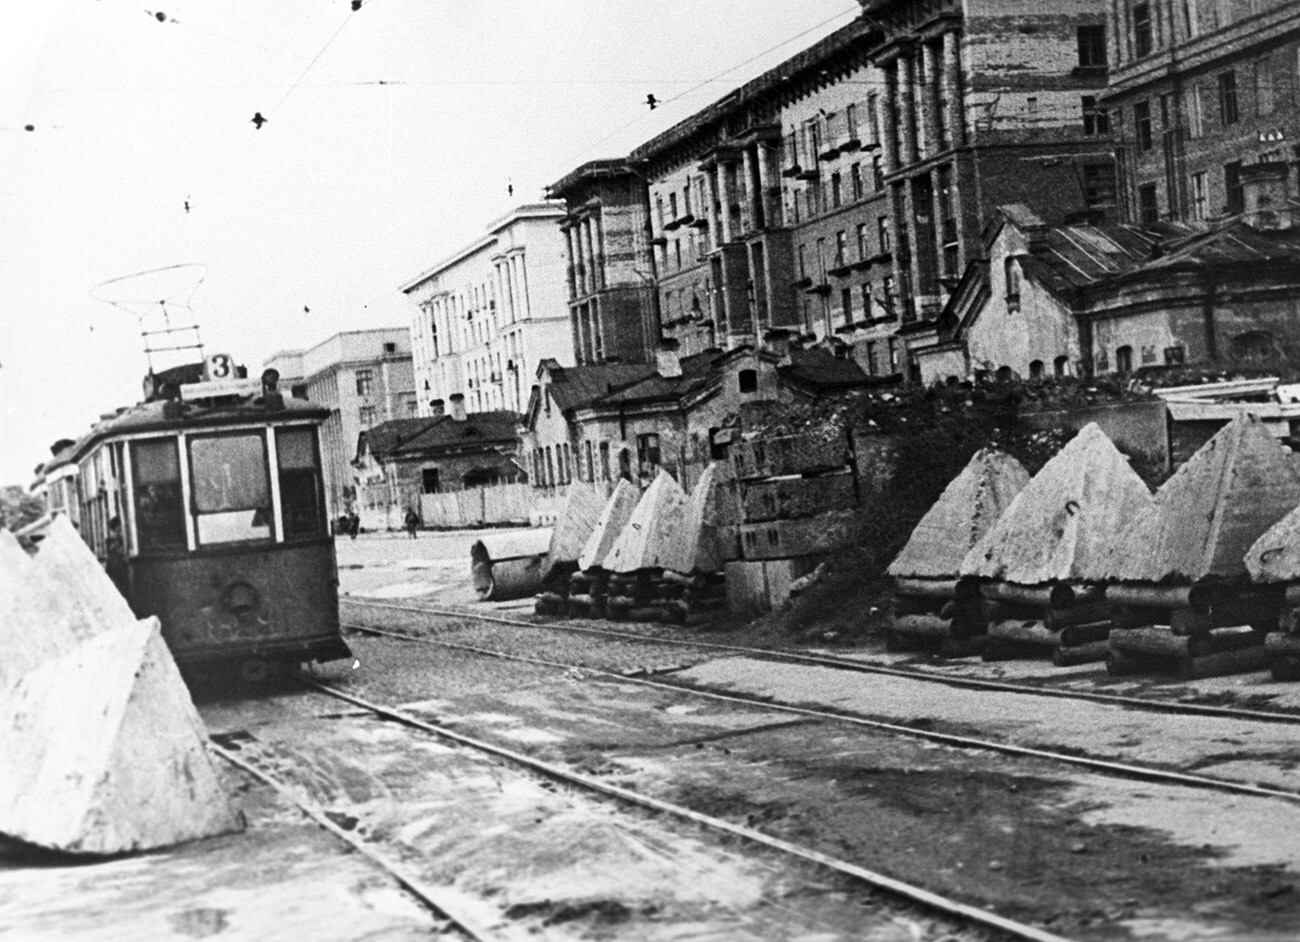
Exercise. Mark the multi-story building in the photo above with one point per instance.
(611, 285)
(491, 312)
(1200, 89)
(365, 377)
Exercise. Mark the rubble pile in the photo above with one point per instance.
(1031, 583)
(925, 571)
(103, 750)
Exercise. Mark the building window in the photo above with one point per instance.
(803, 261)
(851, 121)
(846, 304)
(1142, 32)
(841, 248)
(1195, 113)
(1036, 369)
(866, 301)
(1228, 97)
(1142, 125)
(647, 449)
(1096, 120)
(871, 357)
(604, 461)
(429, 483)
(1198, 195)
(1124, 359)
(1252, 345)
(747, 381)
(811, 199)
(364, 381)
(1011, 271)
(855, 181)
(862, 241)
(1148, 205)
(366, 414)
(1232, 187)
(882, 227)
(893, 355)
(887, 295)
(390, 347)
(590, 460)
(1061, 366)
(1092, 47)
(1175, 356)
(672, 205)
(878, 172)
(1099, 184)
(835, 191)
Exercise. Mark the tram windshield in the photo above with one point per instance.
(232, 491)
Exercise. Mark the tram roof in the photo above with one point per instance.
(180, 416)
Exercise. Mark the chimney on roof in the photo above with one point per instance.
(457, 407)
(438, 407)
(668, 358)
(1266, 194)
(777, 341)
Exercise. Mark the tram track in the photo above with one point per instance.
(1180, 707)
(935, 903)
(1103, 766)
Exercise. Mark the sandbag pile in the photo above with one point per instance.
(925, 571)
(103, 751)
(1031, 583)
(1183, 600)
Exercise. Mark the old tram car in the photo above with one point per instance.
(218, 492)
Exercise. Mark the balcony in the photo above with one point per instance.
(829, 154)
(792, 171)
(699, 223)
(840, 267)
(659, 240)
(811, 173)
(803, 282)
(821, 288)
(672, 224)
(851, 145)
(685, 220)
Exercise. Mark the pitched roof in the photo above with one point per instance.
(1061, 526)
(1210, 513)
(697, 372)
(572, 387)
(1231, 242)
(820, 369)
(970, 504)
(411, 437)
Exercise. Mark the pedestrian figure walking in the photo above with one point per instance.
(412, 522)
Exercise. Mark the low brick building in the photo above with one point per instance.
(399, 460)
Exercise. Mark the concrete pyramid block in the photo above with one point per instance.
(696, 546)
(69, 564)
(1061, 526)
(964, 512)
(1275, 556)
(39, 617)
(613, 518)
(582, 508)
(645, 540)
(104, 752)
(1209, 514)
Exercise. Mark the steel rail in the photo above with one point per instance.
(432, 899)
(1105, 766)
(916, 894)
(843, 663)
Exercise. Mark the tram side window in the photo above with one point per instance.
(159, 510)
(232, 491)
(301, 496)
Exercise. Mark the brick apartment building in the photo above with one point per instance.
(1199, 89)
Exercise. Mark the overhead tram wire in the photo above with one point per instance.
(571, 162)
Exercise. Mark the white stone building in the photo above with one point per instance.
(488, 314)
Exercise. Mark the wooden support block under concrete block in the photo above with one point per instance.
(104, 752)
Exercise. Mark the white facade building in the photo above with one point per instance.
(491, 312)
(364, 377)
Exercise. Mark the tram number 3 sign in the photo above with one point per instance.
(219, 366)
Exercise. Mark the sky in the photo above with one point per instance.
(392, 134)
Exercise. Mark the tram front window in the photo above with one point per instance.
(159, 511)
(301, 503)
(232, 492)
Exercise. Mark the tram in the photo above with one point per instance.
(206, 503)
